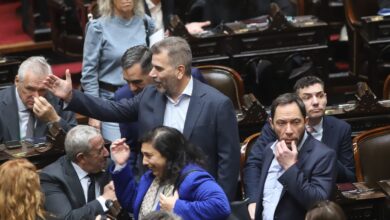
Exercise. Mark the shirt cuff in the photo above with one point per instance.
(102, 202)
(65, 105)
(118, 168)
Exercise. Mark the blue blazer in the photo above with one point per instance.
(336, 135)
(200, 197)
(308, 181)
(210, 124)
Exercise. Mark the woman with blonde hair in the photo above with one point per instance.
(20, 192)
(122, 25)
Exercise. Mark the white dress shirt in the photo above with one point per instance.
(85, 181)
(176, 112)
(318, 130)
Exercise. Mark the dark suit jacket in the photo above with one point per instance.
(308, 181)
(64, 195)
(210, 124)
(129, 130)
(336, 135)
(9, 118)
(166, 8)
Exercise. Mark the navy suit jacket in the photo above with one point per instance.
(9, 116)
(308, 181)
(336, 135)
(129, 130)
(210, 124)
(64, 195)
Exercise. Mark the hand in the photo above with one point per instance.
(95, 123)
(44, 111)
(102, 217)
(109, 191)
(120, 151)
(284, 155)
(59, 87)
(252, 210)
(167, 203)
(197, 27)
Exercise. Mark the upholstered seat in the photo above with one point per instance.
(226, 80)
(246, 147)
(386, 88)
(372, 155)
(354, 10)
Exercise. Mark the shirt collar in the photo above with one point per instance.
(20, 104)
(318, 127)
(80, 172)
(186, 92)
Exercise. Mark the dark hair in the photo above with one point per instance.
(138, 54)
(172, 145)
(325, 210)
(179, 52)
(306, 82)
(161, 215)
(285, 99)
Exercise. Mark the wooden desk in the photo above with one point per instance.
(38, 156)
(364, 203)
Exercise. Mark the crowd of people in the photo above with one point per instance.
(175, 152)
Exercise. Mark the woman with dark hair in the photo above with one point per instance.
(174, 182)
(325, 210)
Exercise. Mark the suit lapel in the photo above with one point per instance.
(194, 109)
(303, 155)
(11, 114)
(268, 157)
(326, 131)
(74, 183)
(159, 108)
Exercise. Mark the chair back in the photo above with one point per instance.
(372, 155)
(386, 88)
(226, 80)
(246, 147)
(68, 20)
(355, 9)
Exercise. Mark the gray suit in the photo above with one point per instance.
(9, 118)
(210, 124)
(64, 196)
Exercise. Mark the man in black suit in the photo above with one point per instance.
(204, 115)
(27, 109)
(76, 186)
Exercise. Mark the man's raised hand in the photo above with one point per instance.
(59, 87)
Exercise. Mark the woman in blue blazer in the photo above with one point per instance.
(174, 182)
